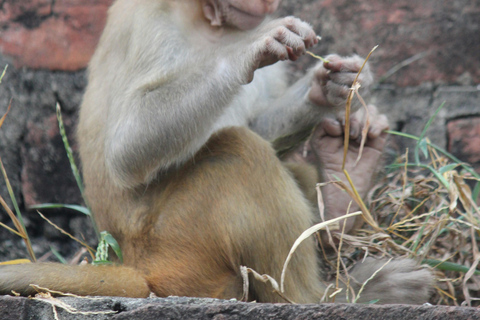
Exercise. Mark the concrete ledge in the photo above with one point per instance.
(19, 308)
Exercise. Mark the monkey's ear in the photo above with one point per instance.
(212, 13)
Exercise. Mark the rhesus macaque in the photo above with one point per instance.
(184, 98)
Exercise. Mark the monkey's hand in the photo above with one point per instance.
(332, 81)
(277, 40)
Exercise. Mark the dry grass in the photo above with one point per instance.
(425, 212)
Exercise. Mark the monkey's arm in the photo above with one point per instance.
(176, 91)
(287, 120)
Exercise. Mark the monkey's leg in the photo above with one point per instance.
(106, 280)
(234, 205)
(269, 217)
(306, 176)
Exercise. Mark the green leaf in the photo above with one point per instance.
(107, 241)
(424, 132)
(113, 244)
(448, 167)
(423, 145)
(440, 178)
(58, 255)
(448, 266)
(75, 207)
(102, 262)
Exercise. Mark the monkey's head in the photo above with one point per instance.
(241, 14)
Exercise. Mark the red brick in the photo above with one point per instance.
(59, 37)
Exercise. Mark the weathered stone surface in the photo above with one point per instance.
(464, 139)
(45, 164)
(55, 35)
(446, 31)
(34, 157)
(410, 108)
(192, 308)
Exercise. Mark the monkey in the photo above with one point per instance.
(184, 105)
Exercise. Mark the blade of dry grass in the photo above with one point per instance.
(265, 278)
(354, 88)
(5, 115)
(307, 233)
(317, 57)
(403, 64)
(91, 251)
(473, 268)
(3, 73)
(369, 279)
(18, 219)
(16, 261)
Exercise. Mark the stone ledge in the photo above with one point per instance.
(20, 308)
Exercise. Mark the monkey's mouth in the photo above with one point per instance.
(245, 20)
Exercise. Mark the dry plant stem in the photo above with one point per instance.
(445, 293)
(403, 64)
(63, 294)
(371, 277)
(321, 209)
(265, 278)
(3, 74)
(358, 199)
(78, 255)
(348, 107)
(13, 218)
(366, 127)
(339, 257)
(324, 297)
(469, 274)
(16, 261)
(5, 115)
(366, 214)
(317, 57)
(307, 233)
(48, 298)
(17, 220)
(91, 251)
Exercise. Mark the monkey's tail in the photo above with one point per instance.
(104, 280)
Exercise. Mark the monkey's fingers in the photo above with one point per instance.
(302, 29)
(336, 63)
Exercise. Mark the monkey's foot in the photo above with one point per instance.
(395, 281)
(328, 145)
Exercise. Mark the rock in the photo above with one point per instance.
(17, 308)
